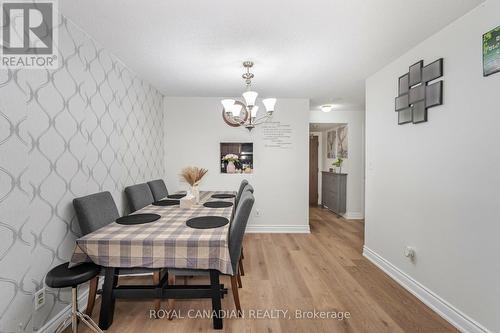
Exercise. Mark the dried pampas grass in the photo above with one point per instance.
(193, 175)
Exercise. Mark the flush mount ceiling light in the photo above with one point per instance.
(236, 113)
(326, 107)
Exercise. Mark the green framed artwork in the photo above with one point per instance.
(491, 52)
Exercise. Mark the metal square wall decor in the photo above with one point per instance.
(417, 92)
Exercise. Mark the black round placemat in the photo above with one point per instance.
(176, 196)
(207, 222)
(137, 219)
(218, 204)
(166, 202)
(223, 196)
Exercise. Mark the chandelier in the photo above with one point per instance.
(236, 113)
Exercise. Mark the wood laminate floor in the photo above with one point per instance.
(324, 270)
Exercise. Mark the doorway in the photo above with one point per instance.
(323, 151)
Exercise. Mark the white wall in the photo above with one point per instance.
(435, 186)
(194, 130)
(354, 164)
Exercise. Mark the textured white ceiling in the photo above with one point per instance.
(317, 49)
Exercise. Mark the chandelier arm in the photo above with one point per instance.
(261, 120)
(244, 123)
(267, 116)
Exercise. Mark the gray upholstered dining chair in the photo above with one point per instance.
(158, 189)
(93, 212)
(138, 196)
(236, 232)
(246, 187)
(243, 183)
(249, 188)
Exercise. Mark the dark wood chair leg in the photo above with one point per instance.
(238, 278)
(236, 295)
(240, 265)
(171, 301)
(92, 294)
(156, 282)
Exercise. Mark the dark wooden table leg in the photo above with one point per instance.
(216, 299)
(108, 300)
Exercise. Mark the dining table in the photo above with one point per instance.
(167, 243)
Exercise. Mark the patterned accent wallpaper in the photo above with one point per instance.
(89, 126)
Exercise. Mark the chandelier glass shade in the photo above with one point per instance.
(250, 97)
(246, 113)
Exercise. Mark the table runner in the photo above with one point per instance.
(165, 243)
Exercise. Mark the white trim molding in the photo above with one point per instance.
(278, 229)
(353, 216)
(451, 314)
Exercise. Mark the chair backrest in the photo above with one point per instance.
(138, 196)
(95, 211)
(249, 188)
(158, 189)
(238, 227)
(243, 183)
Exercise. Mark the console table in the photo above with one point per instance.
(333, 191)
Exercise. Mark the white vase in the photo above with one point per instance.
(195, 191)
(230, 167)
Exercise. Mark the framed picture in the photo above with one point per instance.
(236, 157)
(491, 52)
(342, 149)
(331, 143)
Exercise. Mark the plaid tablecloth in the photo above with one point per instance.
(164, 243)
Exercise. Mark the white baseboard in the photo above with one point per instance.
(278, 229)
(54, 322)
(451, 314)
(354, 216)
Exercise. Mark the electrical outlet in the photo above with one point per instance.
(257, 213)
(39, 298)
(409, 252)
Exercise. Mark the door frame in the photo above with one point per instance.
(320, 161)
